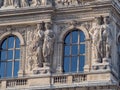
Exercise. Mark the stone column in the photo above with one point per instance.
(60, 58)
(22, 60)
(87, 55)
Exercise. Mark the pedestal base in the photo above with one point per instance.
(106, 60)
(101, 66)
(8, 7)
(59, 69)
(41, 70)
(20, 73)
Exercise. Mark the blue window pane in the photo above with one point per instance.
(75, 37)
(4, 44)
(17, 54)
(17, 43)
(82, 48)
(9, 69)
(3, 55)
(82, 63)
(74, 64)
(67, 39)
(82, 37)
(66, 64)
(76, 46)
(10, 54)
(74, 49)
(67, 50)
(2, 69)
(10, 42)
(16, 68)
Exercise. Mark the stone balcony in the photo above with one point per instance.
(57, 81)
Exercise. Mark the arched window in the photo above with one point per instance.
(74, 52)
(9, 57)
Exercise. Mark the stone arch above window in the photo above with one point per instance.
(67, 30)
(3, 36)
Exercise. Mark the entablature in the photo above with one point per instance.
(37, 14)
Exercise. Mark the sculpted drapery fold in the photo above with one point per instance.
(48, 45)
(8, 3)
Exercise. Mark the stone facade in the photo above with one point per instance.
(41, 26)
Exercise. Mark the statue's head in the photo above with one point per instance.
(99, 20)
(106, 20)
(40, 26)
(48, 25)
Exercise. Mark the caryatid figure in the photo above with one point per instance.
(37, 2)
(48, 45)
(8, 3)
(95, 32)
(16, 3)
(38, 45)
(24, 3)
(107, 38)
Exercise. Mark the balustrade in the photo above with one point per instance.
(78, 78)
(59, 79)
(63, 79)
(19, 82)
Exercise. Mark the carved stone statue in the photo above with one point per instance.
(48, 45)
(95, 32)
(36, 47)
(101, 40)
(39, 45)
(16, 3)
(8, 3)
(1, 1)
(37, 2)
(24, 3)
(41, 40)
(47, 2)
(106, 38)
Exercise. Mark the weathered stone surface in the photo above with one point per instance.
(41, 26)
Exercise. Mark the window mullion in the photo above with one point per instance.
(78, 59)
(6, 61)
(13, 61)
(70, 52)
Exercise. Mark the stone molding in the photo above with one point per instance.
(3, 36)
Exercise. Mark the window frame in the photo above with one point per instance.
(13, 60)
(78, 55)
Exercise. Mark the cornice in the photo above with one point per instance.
(80, 8)
(26, 11)
(49, 9)
(37, 14)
